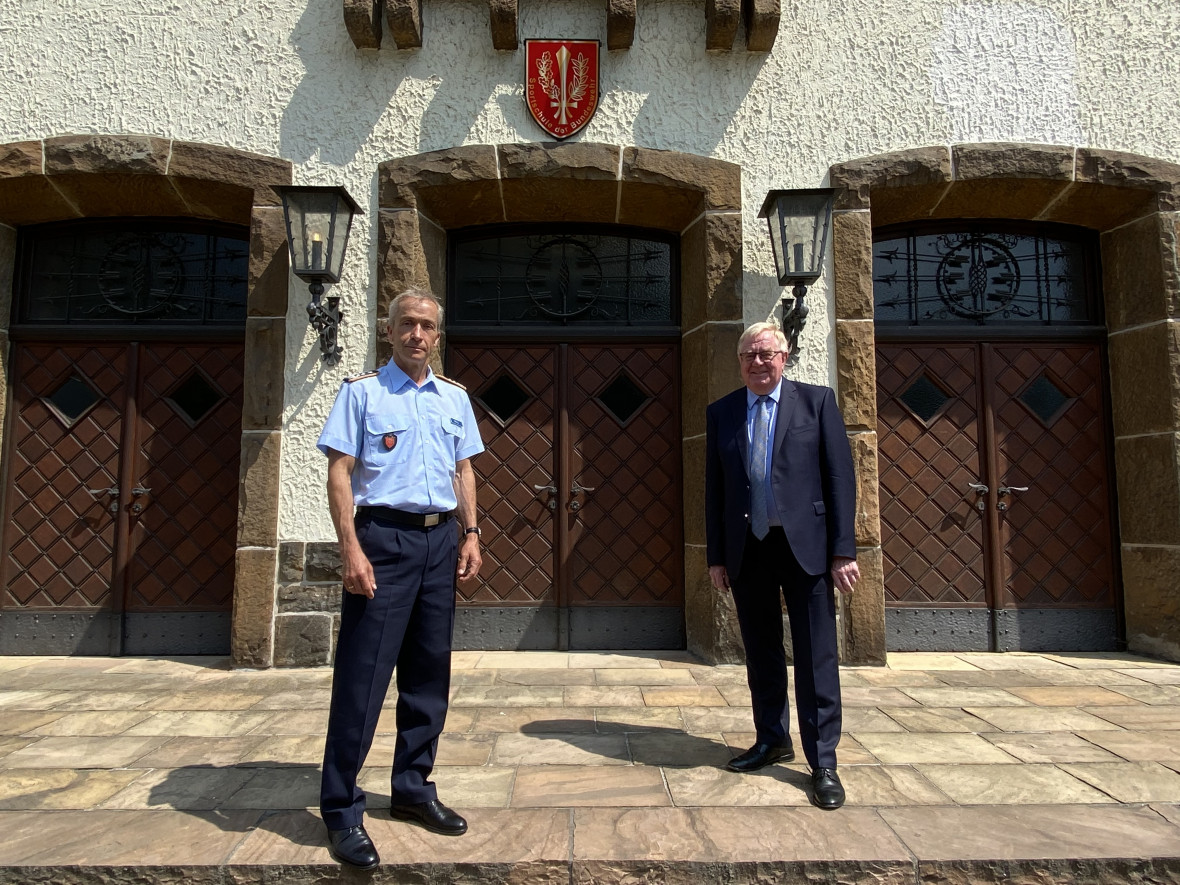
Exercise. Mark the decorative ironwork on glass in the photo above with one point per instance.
(1045, 399)
(132, 275)
(195, 397)
(981, 277)
(924, 398)
(72, 399)
(623, 398)
(563, 279)
(504, 398)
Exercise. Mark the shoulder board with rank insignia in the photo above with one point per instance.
(360, 376)
(450, 381)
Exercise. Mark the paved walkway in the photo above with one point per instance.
(599, 767)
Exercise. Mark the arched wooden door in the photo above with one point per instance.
(568, 345)
(579, 494)
(123, 441)
(997, 506)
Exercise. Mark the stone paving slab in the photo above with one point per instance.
(598, 767)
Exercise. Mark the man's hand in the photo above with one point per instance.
(845, 573)
(357, 571)
(719, 576)
(469, 559)
(355, 568)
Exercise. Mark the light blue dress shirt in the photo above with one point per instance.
(406, 439)
(772, 403)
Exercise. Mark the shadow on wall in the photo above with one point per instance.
(459, 90)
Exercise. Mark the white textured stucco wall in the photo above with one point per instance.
(847, 78)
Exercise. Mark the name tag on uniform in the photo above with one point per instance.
(389, 440)
(457, 423)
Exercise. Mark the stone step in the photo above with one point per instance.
(1052, 843)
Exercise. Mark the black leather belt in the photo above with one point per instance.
(405, 516)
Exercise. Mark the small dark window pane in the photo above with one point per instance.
(133, 274)
(72, 399)
(195, 397)
(504, 398)
(924, 398)
(1045, 399)
(564, 279)
(623, 398)
(977, 276)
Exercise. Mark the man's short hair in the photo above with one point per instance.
(416, 294)
(757, 329)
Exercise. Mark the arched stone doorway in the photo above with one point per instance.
(421, 198)
(1132, 203)
(96, 176)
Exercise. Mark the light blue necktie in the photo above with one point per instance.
(759, 522)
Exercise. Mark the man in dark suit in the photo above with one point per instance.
(780, 495)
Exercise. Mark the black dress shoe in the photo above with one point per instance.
(433, 815)
(761, 755)
(353, 847)
(826, 790)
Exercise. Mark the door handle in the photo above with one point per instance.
(1004, 490)
(576, 505)
(980, 490)
(552, 492)
(113, 507)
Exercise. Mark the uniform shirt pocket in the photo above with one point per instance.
(382, 436)
(452, 426)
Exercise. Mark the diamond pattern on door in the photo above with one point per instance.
(626, 538)
(58, 537)
(1057, 535)
(72, 398)
(517, 524)
(932, 535)
(186, 535)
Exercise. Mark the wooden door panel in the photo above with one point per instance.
(928, 437)
(59, 539)
(1051, 437)
(626, 538)
(189, 445)
(518, 527)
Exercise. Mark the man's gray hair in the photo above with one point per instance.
(757, 329)
(416, 294)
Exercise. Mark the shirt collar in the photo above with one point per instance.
(752, 398)
(399, 379)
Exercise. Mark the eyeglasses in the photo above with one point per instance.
(747, 356)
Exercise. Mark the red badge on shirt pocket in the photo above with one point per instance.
(389, 441)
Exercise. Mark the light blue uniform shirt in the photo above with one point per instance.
(772, 404)
(406, 439)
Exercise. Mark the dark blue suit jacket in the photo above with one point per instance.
(812, 478)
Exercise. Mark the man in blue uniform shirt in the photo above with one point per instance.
(399, 443)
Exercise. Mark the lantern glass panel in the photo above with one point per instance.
(318, 223)
(798, 222)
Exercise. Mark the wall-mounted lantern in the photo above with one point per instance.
(318, 221)
(799, 222)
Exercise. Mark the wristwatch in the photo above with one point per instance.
(473, 530)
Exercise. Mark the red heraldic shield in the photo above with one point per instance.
(561, 84)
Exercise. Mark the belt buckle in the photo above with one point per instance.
(431, 519)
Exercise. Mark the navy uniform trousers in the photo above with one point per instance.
(407, 625)
(768, 569)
